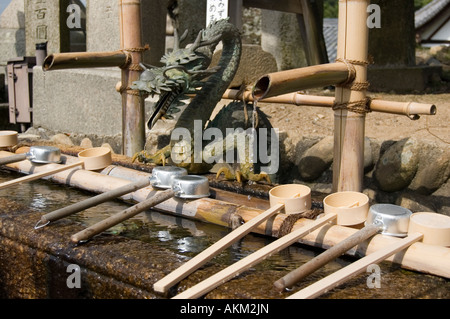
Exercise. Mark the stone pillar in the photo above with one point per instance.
(394, 43)
(281, 36)
(45, 23)
(392, 47)
(103, 29)
(12, 35)
(190, 15)
(102, 26)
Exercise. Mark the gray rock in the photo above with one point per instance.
(62, 139)
(441, 198)
(317, 159)
(433, 170)
(106, 145)
(416, 202)
(397, 166)
(368, 154)
(86, 143)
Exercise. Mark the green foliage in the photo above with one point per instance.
(330, 8)
(420, 3)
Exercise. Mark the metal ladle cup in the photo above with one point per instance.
(154, 200)
(161, 178)
(36, 154)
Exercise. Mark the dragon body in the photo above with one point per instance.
(186, 71)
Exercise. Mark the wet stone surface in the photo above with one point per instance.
(125, 261)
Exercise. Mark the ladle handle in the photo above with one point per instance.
(122, 216)
(78, 207)
(222, 276)
(35, 176)
(359, 266)
(13, 159)
(332, 253)
(202, 258)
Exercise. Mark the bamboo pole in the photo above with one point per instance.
(282, 82)
(411, 109)
(421, 257)
(353, 34)
(133, 107)
(78, 60)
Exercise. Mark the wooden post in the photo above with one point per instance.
(348, 165)
(133, 108)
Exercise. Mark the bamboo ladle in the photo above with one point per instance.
(91, 159)
(226, 274)
(91, 202)
(383, 218)
(160, 177)
(8, 138)
(431, 228)
(296, 194)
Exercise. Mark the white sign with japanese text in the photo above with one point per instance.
(216, 10)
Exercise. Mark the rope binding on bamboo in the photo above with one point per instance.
(129, 65)
(361, 106)
(129, 61)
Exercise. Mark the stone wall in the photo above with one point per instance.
(411, 172)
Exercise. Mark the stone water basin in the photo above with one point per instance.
(125, 261)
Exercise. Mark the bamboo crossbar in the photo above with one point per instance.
(82, 60)
(376, 105)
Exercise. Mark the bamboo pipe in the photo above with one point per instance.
(349, 127)
(421, 257)
(133, 106)
(79, 60)
(288, 81)
(410, 109)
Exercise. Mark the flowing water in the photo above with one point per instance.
(187, 238)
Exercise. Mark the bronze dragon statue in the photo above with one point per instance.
(186, 71)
